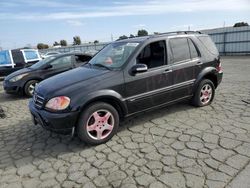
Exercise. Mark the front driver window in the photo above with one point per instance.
(153, 55)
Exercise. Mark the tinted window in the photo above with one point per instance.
(4, 58)
(193, 50)
(180, 49)
(42, 62)
(209, 44)
(153, 55)
(30, 54)
(82, 58)
(18, 58)
(62, 62)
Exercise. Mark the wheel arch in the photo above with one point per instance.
(30, 79)
(110, 97)
(207, 73)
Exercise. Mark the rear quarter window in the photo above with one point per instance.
(209, 44)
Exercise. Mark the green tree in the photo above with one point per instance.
(142, 32)
(96, 42)
(77, 40)
(131, 36)
(122, 37)
(63, 43)
(56, 43)
(241, 24)
(156, 33)
(42, 46)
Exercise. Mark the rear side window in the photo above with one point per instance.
(209, 44)
(30, 55)
(5, 58)
(193, 50)
(180, 49)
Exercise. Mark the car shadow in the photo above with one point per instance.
(4, 97)
(32, 143)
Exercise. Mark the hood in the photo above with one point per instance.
(67, 79)
(16, 73)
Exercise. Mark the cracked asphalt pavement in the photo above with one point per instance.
(176, 146)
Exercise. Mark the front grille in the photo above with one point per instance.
(38, 101)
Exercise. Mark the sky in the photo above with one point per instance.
(28, 22)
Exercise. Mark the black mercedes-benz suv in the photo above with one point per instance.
(127, 77)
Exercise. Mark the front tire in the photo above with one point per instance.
(204, 94)
(30, 87)
(98, 123)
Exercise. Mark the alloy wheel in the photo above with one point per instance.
(100, 124)
(206, 94)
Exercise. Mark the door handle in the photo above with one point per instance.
(168, 71)
(199, 63)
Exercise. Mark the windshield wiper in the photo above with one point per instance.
(101, 65)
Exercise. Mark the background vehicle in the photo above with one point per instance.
(48, 54)
(25, 80)
(13, 60)
(125, 78)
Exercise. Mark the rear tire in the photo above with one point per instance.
(97, 123)
(30, 87)
(204, 94)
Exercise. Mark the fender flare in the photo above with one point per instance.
(100, 95)
(202, 74)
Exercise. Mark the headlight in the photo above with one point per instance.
(58, 103)
(19, 77)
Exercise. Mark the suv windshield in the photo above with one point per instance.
(42, 62)
(114, 55)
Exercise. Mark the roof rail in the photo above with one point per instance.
(178, 33)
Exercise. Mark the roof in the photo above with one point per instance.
(73, 53)
(141, 39)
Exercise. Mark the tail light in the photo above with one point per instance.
(219, 68)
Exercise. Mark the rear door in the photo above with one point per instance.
(185, 60)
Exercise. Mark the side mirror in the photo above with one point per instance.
(139, 68)
(47, 66)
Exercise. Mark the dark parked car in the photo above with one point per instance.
(13, 60)
(25, 80)
(125, 78)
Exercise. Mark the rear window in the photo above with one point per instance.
(209, 44)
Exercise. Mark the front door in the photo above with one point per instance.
(59, 65)
(149, 89)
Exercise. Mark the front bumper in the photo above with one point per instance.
(12, 88)
(57, 122)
